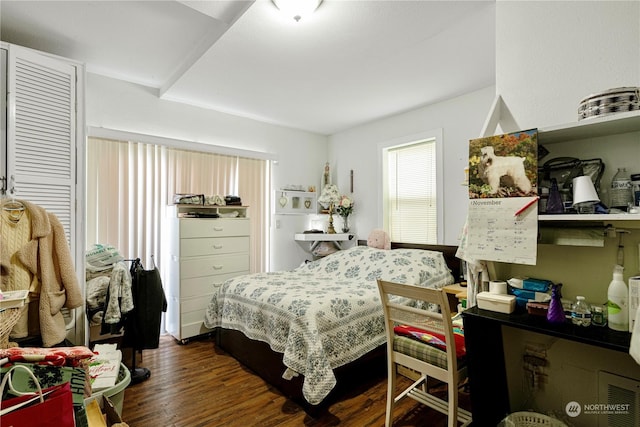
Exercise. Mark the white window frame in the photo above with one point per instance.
(384, 147)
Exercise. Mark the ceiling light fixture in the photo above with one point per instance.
(297, 9)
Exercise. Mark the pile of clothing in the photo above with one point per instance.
(109, 295)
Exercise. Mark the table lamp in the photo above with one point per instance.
(584, 195)
(328, 198)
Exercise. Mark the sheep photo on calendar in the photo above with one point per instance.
(504, 165)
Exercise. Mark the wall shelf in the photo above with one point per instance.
(317, 238)
(591, 128)
(596, 127)
(589, 217)
(323, 237)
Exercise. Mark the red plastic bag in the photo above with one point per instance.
(51, 407)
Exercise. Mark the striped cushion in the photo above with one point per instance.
(421, 351)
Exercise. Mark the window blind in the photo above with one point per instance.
(412, 203)
(129, 185)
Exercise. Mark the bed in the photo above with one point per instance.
(316, 331)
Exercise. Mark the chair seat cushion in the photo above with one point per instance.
(418, 350)
(433, 338)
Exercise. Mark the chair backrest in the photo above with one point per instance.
(409, 305)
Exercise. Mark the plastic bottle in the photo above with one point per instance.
(580, 312)
(618, 302)
(621, 196)
(555, 314)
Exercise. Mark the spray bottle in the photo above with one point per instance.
(617, 304)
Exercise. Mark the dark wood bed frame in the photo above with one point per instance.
(354, 377)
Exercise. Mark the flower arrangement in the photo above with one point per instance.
(344, 207)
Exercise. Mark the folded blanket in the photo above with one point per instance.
(57, 356)
(434, 339)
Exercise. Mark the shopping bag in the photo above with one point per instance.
(564, 169)
(49, 376)
(49, 407)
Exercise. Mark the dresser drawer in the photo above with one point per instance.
(218, 227)
(213, 246)
(193, 330)
(206, 285)
(213, 265)
(194, 305)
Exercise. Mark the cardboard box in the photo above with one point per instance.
(101, 412)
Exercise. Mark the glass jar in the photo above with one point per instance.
(345, 224)
(599, 315)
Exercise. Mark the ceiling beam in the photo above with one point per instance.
(225, 14)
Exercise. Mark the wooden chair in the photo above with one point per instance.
(423, 358)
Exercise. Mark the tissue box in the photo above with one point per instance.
(496, 302)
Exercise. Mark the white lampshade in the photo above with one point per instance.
(329, 194)
(584, 193)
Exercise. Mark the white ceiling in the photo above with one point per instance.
(350, 63)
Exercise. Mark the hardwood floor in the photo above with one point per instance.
(198, 385)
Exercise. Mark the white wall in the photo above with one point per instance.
(114, 104)
(550, 55)
(461, 119)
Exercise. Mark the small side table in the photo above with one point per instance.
(455, 293)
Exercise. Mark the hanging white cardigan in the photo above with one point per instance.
(48, 257)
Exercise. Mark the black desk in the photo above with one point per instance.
(485, 355)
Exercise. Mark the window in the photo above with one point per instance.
(129, 184)
(411, 194)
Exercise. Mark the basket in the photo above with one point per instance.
(616, 100)
(531, 419)
(8, 319)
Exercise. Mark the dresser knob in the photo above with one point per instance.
(218, 267)
(218, 228)
(217, 246)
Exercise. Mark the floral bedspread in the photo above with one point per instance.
(325, 313)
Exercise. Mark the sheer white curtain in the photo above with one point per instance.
(129, 184)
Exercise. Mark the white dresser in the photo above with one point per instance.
(202, 252)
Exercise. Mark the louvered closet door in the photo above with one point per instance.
(41, 133)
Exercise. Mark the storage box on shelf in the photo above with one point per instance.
(204, 251)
